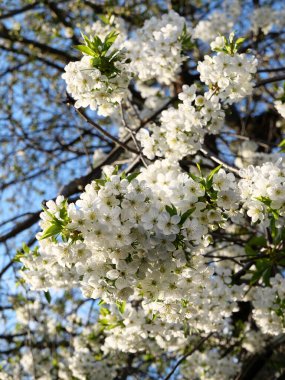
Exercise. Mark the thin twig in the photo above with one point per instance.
(99, 128)
(216, 159)
(202, 341)
(125, 124)
(104, 132)
(263, 82)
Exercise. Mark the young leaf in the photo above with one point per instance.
(132, 176)
(104, 311)
(265, 200)
(186, 215)
(121, 306)
(47, 296)
(52, 230)
(240, 40)
(85, 49)
(282, 145)
(213, 172)
(199, 168)
(171, 210)
(104, 19)
(25, 248)
(111, 37)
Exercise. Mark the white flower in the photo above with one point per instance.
(280, 107)
(156, 49)
(168, 224)
(255, 211)
(219, 43)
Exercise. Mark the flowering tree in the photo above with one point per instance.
(162, 257)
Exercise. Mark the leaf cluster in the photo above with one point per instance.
(185, 39)
(102, 58)
(57, 225)
(231, 44)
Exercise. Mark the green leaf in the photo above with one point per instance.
(199, 168)
(258, 241)
(111, 37)
(132, 176)
(275, 214)
(52, 216)
(265, 200)
(63, 213)
(18, 256)
(104, 311)
(231, 37)
(186, 215)
(100, 182)
(282, 144)
(213, 172)
(263, 271)
(255, 278)
(249, 250)
(240, 40)
(194, 177)
(97, 41)
(116, 170)
(86, 39)
(47, 296)
(273, 228)
(115, 55)
(171, 210)
(25, 248)
(85, 49)
(185, 39)
(121, 306)
(52, 230)
(254, 244)
(266, 276)
(104, 19)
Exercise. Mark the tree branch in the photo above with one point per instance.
(15, 12)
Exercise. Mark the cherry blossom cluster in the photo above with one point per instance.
(182, 129)
(156, 50)
(160, 224)
(279, 103)
(89, 87)
(262, 190)
(254, 340)
(228, 74)
(148, 53)
(280, 106)
(43, 323)
(142, 242)
(211, 365)
(58, 322)
(88, 359)
(218, 23)
(101, 78)
(269, 305)
(248, 154)
(264, 18)
(132, 328)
